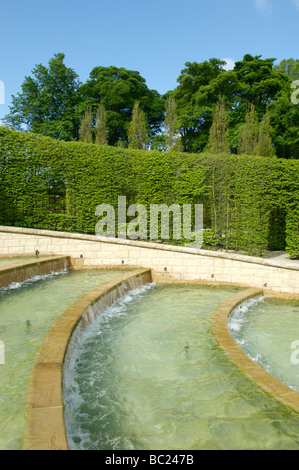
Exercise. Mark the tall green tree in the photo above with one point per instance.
(265, 146)
(195, 102)
(284, 120)
(48, 101)
(219, 132)
(249, 133)
(86, 127)
(289, 67)
(172, 126)
(118, 89)
(101, 126)
(259, 82)
(138, 134)
(253, 80)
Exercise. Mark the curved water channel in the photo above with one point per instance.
(27, 311)
(267, 330)
(148, 374)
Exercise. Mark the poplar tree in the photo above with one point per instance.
(101, 126)
(219, 131)
(249, 133)
(265, 146)
(172, 126)
(137, 134)
(86, 126)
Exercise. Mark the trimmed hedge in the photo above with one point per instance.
(251, 204)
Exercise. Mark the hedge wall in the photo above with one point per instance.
(251, 204)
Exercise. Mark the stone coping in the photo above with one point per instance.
(45, 428)
(19, 272)
(286, 264)
(220, 330)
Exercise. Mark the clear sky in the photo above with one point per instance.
(154, 37)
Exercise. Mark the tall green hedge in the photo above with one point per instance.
(251, 204)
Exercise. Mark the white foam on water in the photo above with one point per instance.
(238, 316)
(18, 285)
(77, 346)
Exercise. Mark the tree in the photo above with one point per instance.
(253, 80)
(284, 119)
(137, 134)
(118, 89)
(249, 133)
(219, 132)
(260, 82)
(289, 67)
(158, 143)
(48, 102)
(86, 126)
(195, 101)
(101, 126)
(265, 146)
(172, 126)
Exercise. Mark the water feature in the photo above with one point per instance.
(27, 311)
(148, 374)
(266, 328)
(9, 262)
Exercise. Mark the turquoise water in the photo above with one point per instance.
(148, 374)
(267, 329)
(27, 311)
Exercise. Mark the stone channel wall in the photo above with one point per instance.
(27, 270)
(45, 427)
(168, 263)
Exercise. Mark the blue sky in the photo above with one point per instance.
(154, 37)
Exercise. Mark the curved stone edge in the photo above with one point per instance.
(68, 236)
(220, 316)
(45, 427)
(277, 277)
(22, 271)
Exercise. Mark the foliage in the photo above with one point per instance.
(101, 126)
(138, 133)
(86, 127)
(48, 102)
(118, 89)
(289, 67)
(249, 133)
(53, 101)
(172, 126)
(219, 131)
(264, 146)
(250, 204)
(253, 81)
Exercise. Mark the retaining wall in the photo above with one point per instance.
(27, 270)
(168, 263)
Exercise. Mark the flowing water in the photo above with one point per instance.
(27, 311)
(8, 262)
(148, 374)
(268, 332)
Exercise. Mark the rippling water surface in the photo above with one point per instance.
(267, 329)
(27, 311)
(148, 374)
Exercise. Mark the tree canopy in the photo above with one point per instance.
(48, 101)
(118, 89)
(54, 102)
